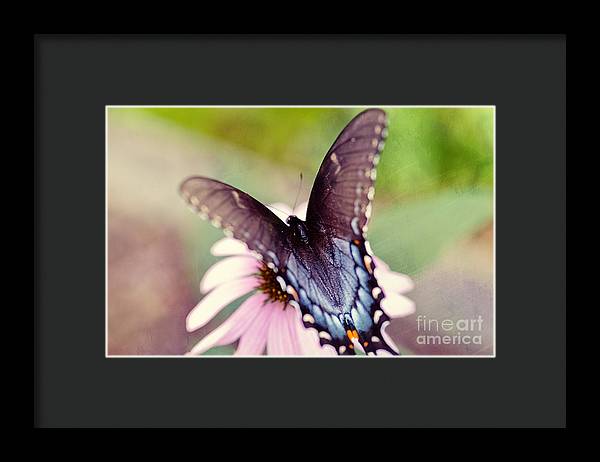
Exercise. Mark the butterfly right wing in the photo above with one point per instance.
(239, 215)
(340, 200)
(340, 205)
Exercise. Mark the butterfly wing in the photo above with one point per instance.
(340, 200)
(340, 207)
(239, 215)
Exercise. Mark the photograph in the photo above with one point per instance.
(300, 231)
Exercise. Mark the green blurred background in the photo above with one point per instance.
(432, 214)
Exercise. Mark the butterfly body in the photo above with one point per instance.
(323, 264)
(298, 229)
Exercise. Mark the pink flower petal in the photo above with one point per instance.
(396, 305)
(281, 210)
(380, 263)
(300, 210)
(387, 338)
(310, 346)
(383, 353)
(290, 323)
(227, 270)
(328, 350)
(216, 300)
(253, 341)
(228, 246)
(233, 327)
(308, 340)
(276, 342)
(393, 282)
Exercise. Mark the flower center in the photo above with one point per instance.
(270, 286)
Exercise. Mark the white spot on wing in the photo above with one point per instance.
(371, 193)
(368, 262)
(354, 224)
(282, 283)
(236, 198)
(308, 318)
(273, 256)
(324, 335)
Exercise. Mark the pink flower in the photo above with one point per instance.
(260, 324)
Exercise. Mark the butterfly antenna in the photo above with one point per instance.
(298, 192)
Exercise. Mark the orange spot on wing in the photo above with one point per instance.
(352, 334)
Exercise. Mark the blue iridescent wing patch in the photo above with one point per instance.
(350, 317)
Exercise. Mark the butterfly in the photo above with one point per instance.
(322, 266)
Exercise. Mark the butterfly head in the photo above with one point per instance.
(298, 228)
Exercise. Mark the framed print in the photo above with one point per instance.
(294, 231)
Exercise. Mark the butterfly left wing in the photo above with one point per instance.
(239, 215)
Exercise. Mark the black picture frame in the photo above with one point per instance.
(75, 77)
